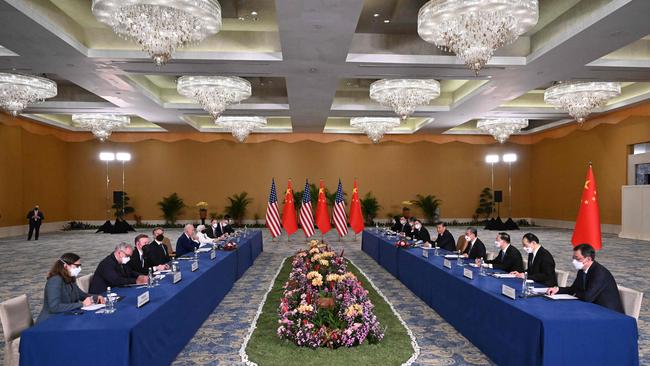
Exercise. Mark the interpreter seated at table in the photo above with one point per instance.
(113, 271)
(61, 291)
(509, 258)
(444, 240)
(403, 227)
(594, 283)
(202, 237)
(187, 243)
(226, 225)
(213, 231)
(420, 233)
(475, 248)
(541, 266)
(157, 252)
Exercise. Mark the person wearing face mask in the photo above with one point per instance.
(541, 266)
(509, 258)
(593, 283)
(396, 226)
(420, 233)
(61, 292)
(202, 237)
(403, 226)
(213, 231)
(444, 240)
(138, 262)
(113, 271)
(411, 223)
(157, 252)
(226, 225)
(186, 243)
(35, 217)
(475, 248)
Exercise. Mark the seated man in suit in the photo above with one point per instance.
(157, 252)
(541, 266)
(411, 223)
(509, 258)
(187, 242)
(594, 283)
(444, 240)
(396, 226)
(403, 227)
(138, 263)
(226, 226)
(214, 230)
(475, 248)
(112, 271)
(420, 233)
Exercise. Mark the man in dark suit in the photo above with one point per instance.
(420, 233)
(226, 226)
(475, 248)
(594, 283)
(113, 271)
(214, 230)
(402, 226)
(156, 252)
(35, 217)
(509, 258)
(138, 262)
(541, 266)
(444, 240)
(186, 243)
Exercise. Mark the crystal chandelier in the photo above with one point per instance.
(101, 125)
(160, 26)
(214, 93)
(581, 98)
(404, 95)
(502, 128)
(16, 91)
(375, 127)
(241, 126)
(475, 29)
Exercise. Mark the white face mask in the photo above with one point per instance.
(418, 226)
(402, 222)
(467, 238)
(214, 225)
(126, 260)
(74, 271)
(577, 264)
(498, 245)
(528, 250)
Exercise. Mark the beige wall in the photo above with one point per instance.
(68, 180)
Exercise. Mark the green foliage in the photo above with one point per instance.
(172, 206)
(238, 206)
(369, 207)
(313, 191)
(331, 197)
(485, 204)
(123, 208)
(429, 205)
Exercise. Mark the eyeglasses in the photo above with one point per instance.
(78, 265)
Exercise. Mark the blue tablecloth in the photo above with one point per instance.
(532, 331)
(151, 335)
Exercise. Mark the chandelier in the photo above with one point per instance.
(241, 126)
(16, 91)
(502, 128)
(375, 127)
(581, 98)
(404, 95)
(214, 93)
(475, 29)
(101, 125)
(160, 26)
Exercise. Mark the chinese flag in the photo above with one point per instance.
(356, 216)
(322, 215)
(289, 212)
(587, 229)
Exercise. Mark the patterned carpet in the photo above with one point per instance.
(23, 266)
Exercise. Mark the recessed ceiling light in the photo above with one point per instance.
(386, 21)
(375, 15)
(254, 13)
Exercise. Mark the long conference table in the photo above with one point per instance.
(153, 334)
(525, 331)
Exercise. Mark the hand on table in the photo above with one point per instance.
(552, 290)
(88, 301)
(141, 280)
(162, 267)
(101, 299)
(517, 274)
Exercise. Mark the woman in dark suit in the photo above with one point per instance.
(61, 291)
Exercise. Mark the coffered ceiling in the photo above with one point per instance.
(310, 64)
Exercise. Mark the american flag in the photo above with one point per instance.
(340, 219)
(272, 215)
(306, 217)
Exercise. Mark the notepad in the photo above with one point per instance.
(162, 272)
(561, 297)
(540, 290)
(451, 256)
(204, 249)
(93, 307)
(504, 275)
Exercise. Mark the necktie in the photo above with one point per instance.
(502, 255)
(530, 260)
(584, 281)
(163, 248)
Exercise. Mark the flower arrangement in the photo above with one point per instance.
(231, 245)
(324, 305)
(403, 243)
(202, 205)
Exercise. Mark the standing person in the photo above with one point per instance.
(35, 217)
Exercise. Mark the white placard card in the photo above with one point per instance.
(143, 299)
(468, 273)
(177, 277)
(425, 253)
(509, 292)
(213, 254)
(446, 263)
(195, 266)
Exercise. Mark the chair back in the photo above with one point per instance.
(461, 244)
(84, 282)
(562, 277)
(631, 300)
(15, 316)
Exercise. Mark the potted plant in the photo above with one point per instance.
(203, 211)
(370, 207)
(171, 206)
(238, 206)
(429, 205)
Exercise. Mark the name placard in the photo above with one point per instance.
(446, 263)
(213, 254)
(195, 266)
(177, 277)
(509, 292)
(143, 299)
(425, 253)
(468, 273)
